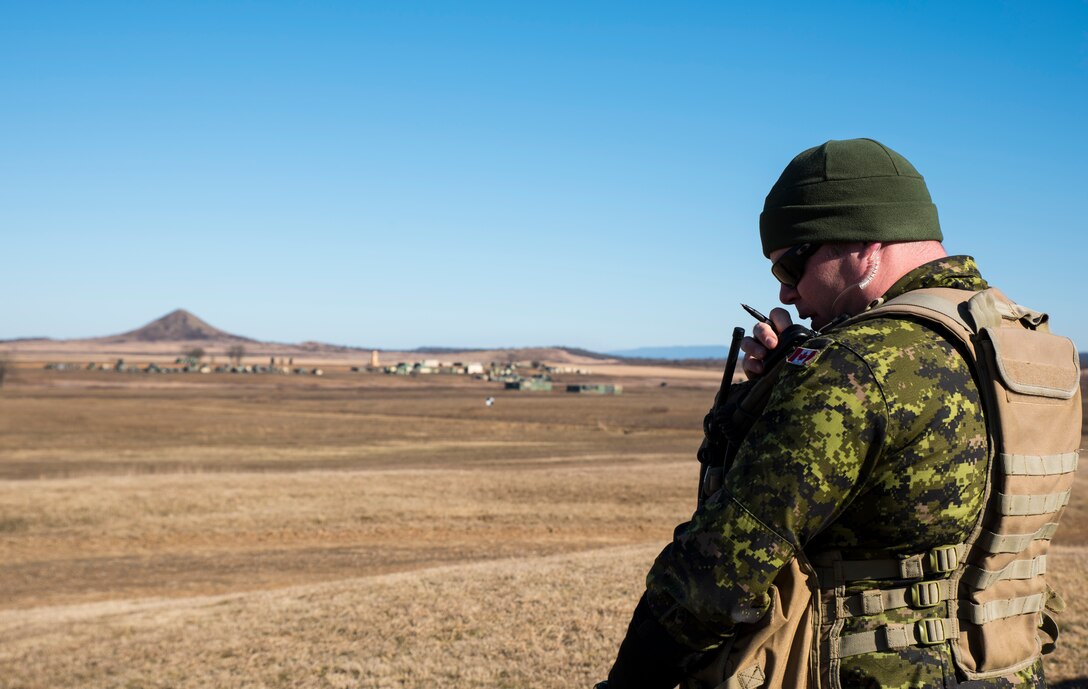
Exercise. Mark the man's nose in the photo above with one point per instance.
(787, 294)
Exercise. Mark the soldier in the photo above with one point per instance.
(857, 493)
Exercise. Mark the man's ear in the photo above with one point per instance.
(870, 254)
(871, 249)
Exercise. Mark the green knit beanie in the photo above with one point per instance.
(857, 190)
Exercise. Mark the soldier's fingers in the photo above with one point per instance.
(753, 348)
(781, 319)
(754, 351)
(766, 335)
(753, 368)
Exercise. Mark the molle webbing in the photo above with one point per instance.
(893, 637)
(937, 562)
(989, 596)
(1032, 505)
(994, 544)
(922, 594)
(1035, 465)
(980, 579)
(1002, 609)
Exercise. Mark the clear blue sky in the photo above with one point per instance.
(401, 174)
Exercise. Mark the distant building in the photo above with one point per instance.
(536, 384)
(567, 369)
(598, 389)
(375, 361)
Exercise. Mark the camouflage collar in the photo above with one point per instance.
(959, 272)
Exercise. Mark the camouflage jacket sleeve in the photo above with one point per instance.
(800, 465)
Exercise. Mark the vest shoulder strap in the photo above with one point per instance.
(943, 306)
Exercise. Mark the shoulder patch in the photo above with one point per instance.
(803, 356)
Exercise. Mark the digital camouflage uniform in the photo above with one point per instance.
(875, 447)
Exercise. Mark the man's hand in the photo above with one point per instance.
(764, 338)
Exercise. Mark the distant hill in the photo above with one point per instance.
(675, 353)
(177, 326)
(577, 351)
(567, 355)
(180, 330)
(429, 349)
(544, 352)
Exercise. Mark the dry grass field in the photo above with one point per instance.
(348, 531)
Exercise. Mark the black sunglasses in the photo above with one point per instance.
(790, 266)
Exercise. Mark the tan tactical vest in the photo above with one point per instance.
(986, 597)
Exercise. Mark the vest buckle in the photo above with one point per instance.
(930, 631)
(944, 559)
(924, 594)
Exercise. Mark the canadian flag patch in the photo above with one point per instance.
(802, 356)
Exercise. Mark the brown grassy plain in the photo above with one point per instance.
(349, 531)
